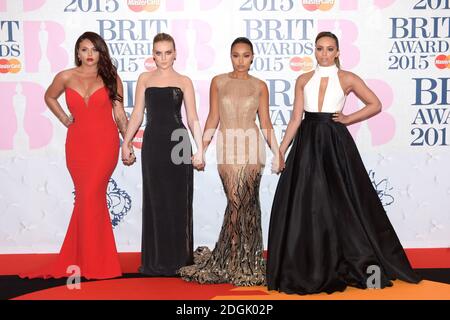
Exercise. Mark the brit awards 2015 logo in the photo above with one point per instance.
(282, 43)
(420, 42)
(41, 47)
(10, 48)
(130, 45)
(431, 112)
(38, 44)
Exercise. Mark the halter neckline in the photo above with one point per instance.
(324, 72)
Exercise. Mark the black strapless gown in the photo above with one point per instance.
(167, 174)
(328, 226)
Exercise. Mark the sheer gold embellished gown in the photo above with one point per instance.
(238, 255)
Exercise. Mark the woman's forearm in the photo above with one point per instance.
(271, 140)
(196, 131)
(58, 111)
(132, 126)
(365, 113)
(208, 134)
(291, 130)
(122, 123)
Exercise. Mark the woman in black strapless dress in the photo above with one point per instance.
(167, 170)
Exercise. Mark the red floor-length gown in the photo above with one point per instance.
(92, 149)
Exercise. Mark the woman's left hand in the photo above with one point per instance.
(198, 162)
(340, 117)
(278, 163)
(128, 157)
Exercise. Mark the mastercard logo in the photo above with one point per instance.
(322, 5)
(10, 65)
(149, 64)
(442, 61)
(301, 64)
(137, 140)
(143, 5)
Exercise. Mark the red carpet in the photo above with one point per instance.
(11, 264)
(177, 289)
(138, 289)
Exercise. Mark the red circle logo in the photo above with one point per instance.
(442, 61)
(301, 64)
(296, 63)
(11, 66)
(137, 140)
(322, 5)
(149, 64)
(143, 5)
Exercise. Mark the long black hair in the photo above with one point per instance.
(106, 70)
(242, 40)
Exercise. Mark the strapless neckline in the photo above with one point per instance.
(167, 87)
(89, 97)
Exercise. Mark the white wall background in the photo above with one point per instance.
(35, 187)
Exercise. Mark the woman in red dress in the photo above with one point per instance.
(93, 93)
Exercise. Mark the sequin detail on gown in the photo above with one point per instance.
(238, 254)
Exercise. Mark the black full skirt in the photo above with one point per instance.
(328, 228)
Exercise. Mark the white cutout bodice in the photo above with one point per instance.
(334, 95)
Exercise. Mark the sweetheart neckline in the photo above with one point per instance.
(89, 99)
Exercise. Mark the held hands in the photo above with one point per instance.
(278, 163)
(340, 117)
(128, 157)
(198, 161)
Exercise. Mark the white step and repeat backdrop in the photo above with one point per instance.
(401, 48)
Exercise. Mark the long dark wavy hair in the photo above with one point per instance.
(106, 70)
(332, 36)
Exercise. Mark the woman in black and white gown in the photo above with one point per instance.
(327, 224)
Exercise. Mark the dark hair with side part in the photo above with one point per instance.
(242, 40)
(106, 70)
(333, 36)
(164, 37)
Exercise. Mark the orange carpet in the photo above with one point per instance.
(177, 289)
